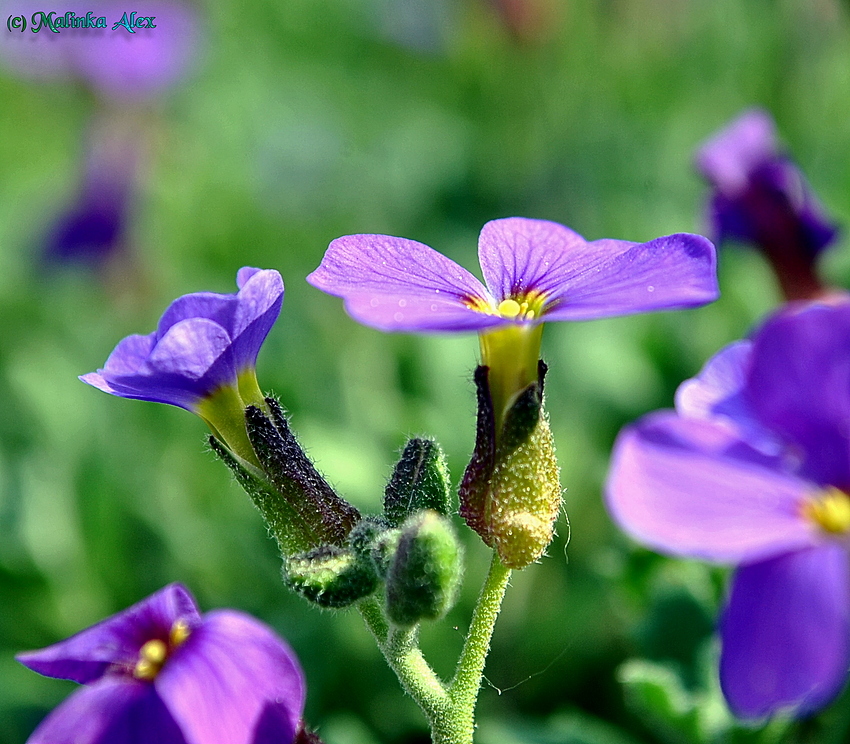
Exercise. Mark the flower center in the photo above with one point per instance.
(526, 306)
(154, 653)
(830, 510)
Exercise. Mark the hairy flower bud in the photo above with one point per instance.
(425, 571)
(420, 481)
(331, 576)
(511, 492)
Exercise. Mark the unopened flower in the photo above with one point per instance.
(761, 197)
(202, 356)
(161, 672)
(753, 469)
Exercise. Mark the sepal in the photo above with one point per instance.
(321, 511)
(510, 493)
(419, 481)
(292, 533)
(425, 572)
(331, 576)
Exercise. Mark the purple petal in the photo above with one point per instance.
(395, 284)
(519, 254)
(731, 155)
(616, 277)
(691, 488)
(220, 683)
(114, 642)
(113, 711)
(786, 633)
(717, 394)
(188, 363)
(799, 387)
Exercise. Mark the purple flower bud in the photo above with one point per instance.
(753, 469)
(161, 672)
(761, 197)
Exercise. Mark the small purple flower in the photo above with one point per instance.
(202, 356)
(204, 342)
(535, 271)
(753, 469)
(761, 197)
(161, 672)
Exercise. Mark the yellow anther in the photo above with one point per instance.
(510, 308)
(144, 669)
(180, 631)
(829, 510)
(154, 651)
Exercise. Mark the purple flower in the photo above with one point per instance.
(753, 469)
(761, 197)
(161, 672)
(535, 271)
(93, 229)
(202, 356)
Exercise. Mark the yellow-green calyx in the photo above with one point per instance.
(224, 412)
(829, 510)
(510, 493)
(154, 653)
(525, 498)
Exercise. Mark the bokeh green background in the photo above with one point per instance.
(303, 121)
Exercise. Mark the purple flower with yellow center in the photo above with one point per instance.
(162, 672)
(202, 356)
(761, 197)
(535, 271)
(753, 469)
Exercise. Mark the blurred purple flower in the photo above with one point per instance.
(204, 342)
(94, 228)
(161, 672)
(116, 64)
(761, 197)
(535, 271)
(753, 469)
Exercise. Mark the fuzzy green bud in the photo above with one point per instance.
(330, 576)
(424, 574)
(419, 481)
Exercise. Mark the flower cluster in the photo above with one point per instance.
(753, 469)
(161, 672)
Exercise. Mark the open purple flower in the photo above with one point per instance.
(761, 197)
(202, 356)
(753, 469)
(161, 672)
(535, 271)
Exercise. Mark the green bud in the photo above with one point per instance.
(373, 539)
(420, 481)
(424, 575)
(330, 576)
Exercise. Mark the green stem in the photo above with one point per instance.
(450, 710)
(464, 688)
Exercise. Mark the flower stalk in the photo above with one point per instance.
(449, 708)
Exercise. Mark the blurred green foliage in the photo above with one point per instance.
(304, 121)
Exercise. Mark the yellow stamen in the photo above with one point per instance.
(830, 510)
(145, 670)
(151, 658)
(510, 308)
(180, 631)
